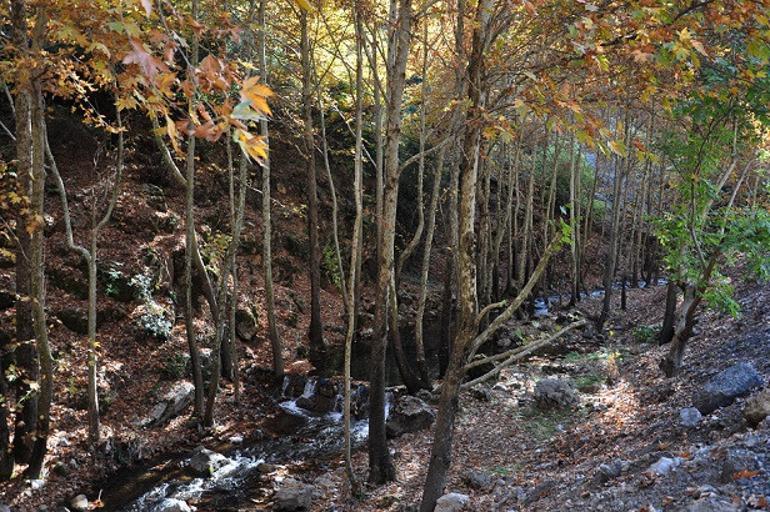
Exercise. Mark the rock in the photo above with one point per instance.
(36, 484)
(74, 319)
(722, 389)
(735, 462)
(481, 393)
(236, 439)
(757, 407)
(245, 324)
(118, 284)
(320, 396)
(665, 465)
(4, 508)
(172, 505)
(79, 502)
(205, 462)
(554, 393)
(712, 504)
(690, 417)
(452, 502)
(610, 471)
(265, 468)
(425, 395)
(477, 479)
(172, 403)
(409, 414)
(293, 496)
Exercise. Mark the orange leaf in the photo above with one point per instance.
(744, 473)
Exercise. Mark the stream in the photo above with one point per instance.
(307, 428)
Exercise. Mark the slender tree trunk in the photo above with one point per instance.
(381, 467)
(467, 324)
(190, 238)
(267, 224)
(355, 252)
(26, 353)
(37, 249)
(316, 326)
(609, 270)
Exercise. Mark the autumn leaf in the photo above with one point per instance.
(744, 473)
(146, 62)
(304, 5)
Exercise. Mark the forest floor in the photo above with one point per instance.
(628, 417)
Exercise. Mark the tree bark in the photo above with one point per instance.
(267, 224)
(315, 333)
(381, 467)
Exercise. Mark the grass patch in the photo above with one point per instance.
(587, 382)
(544, 425)
(646, 333)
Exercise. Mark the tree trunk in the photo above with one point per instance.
(609, 269)
(467, 323)
(190, 238)
(315, 333)
(381, 467)
(267, 224)
(37, 248)
(25, 354)
(667, 331)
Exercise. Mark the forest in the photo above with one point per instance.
(384, 255)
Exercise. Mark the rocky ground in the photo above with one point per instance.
(627, 438)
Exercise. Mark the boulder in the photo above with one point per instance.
(478, 480)
(554, 393)
(319, 398)
(292, 496)
(409, 414)
(690, 417)
(610, 470)
(171, 505)
(757, 407)
(452, 502)
(245, 324)
(172, 403)
(205, 462)
(79, 502)
(722, 389)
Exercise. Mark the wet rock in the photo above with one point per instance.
(172, 505)
(665, 465)
(690, 417)
(245, 324)
(265, 468)
(737, 461)
(712, 504)
(321, 398)
(409, 414)
(452, 502)
(554, 393)
(293, 496)
(757, 407)
(204, 462)
(172, 403)
(722, 390)
(79, 502)
(478, 480)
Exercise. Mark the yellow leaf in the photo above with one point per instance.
(304, 5)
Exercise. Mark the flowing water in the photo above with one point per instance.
(301, 434)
